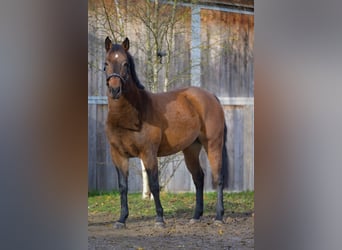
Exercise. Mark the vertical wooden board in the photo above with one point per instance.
(248, 148)
(238, 149)
(112, 177)
(90, 59)
(101, 144)
(106, 178)
(208, 186)
(164, 172)
(172, 166)
(250, 138)
(134, 178)
(181, 179)
(106, 173)
(250, 56)
(93, 58)
(91, 147)
(229, 114)
(99, 74)
(195, 46)
(96, 55)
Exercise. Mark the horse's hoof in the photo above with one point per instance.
(194, 221)
(218, 222)
(119, 225)
(159, 225)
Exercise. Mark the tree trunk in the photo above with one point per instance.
(146, 194)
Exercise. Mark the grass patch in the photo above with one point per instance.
(181, 204)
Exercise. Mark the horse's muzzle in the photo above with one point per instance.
(115, 93)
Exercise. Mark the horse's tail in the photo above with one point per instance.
(224, 168)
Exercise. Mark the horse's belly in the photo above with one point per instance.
(183, 128)
(174, 142)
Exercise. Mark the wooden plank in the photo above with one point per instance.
(101, 143)
(112, 177)
(249, 149)
(238, 149)
(230, 147)
(182, 178)
(207, 171)
(91, 148)
(134, 177)
(195, 46)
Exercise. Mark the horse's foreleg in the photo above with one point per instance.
(154, 187)
(123, 188)
(199, 183)
(121, 165)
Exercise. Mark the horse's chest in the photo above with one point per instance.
(125, 144)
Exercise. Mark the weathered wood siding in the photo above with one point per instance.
(227, 53)
(226, 69)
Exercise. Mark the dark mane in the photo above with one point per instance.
(133, 73)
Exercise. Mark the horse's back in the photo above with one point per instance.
(191, 99)
(189, 114)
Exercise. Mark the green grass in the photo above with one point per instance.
(173, 204)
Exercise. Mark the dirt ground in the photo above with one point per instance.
(236, 233)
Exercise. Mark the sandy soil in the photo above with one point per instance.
(236, 233)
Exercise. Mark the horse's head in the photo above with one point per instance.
(119, 68)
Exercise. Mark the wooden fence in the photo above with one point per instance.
(225, 37)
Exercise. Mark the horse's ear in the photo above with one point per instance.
(125, 44)
(108, 44)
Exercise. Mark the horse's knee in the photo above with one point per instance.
(153, 180)
(123, 189)
(154, 186)
(198, 180)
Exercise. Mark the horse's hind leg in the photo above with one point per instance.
(191, 157)
(214, 151)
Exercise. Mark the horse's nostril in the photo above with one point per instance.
(115, 92)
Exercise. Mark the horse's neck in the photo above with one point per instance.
(124, 113)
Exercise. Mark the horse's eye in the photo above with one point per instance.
(125, 65)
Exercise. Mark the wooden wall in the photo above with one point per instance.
(227, 53)
(226, 69)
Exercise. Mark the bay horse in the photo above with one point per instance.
(147, 125)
